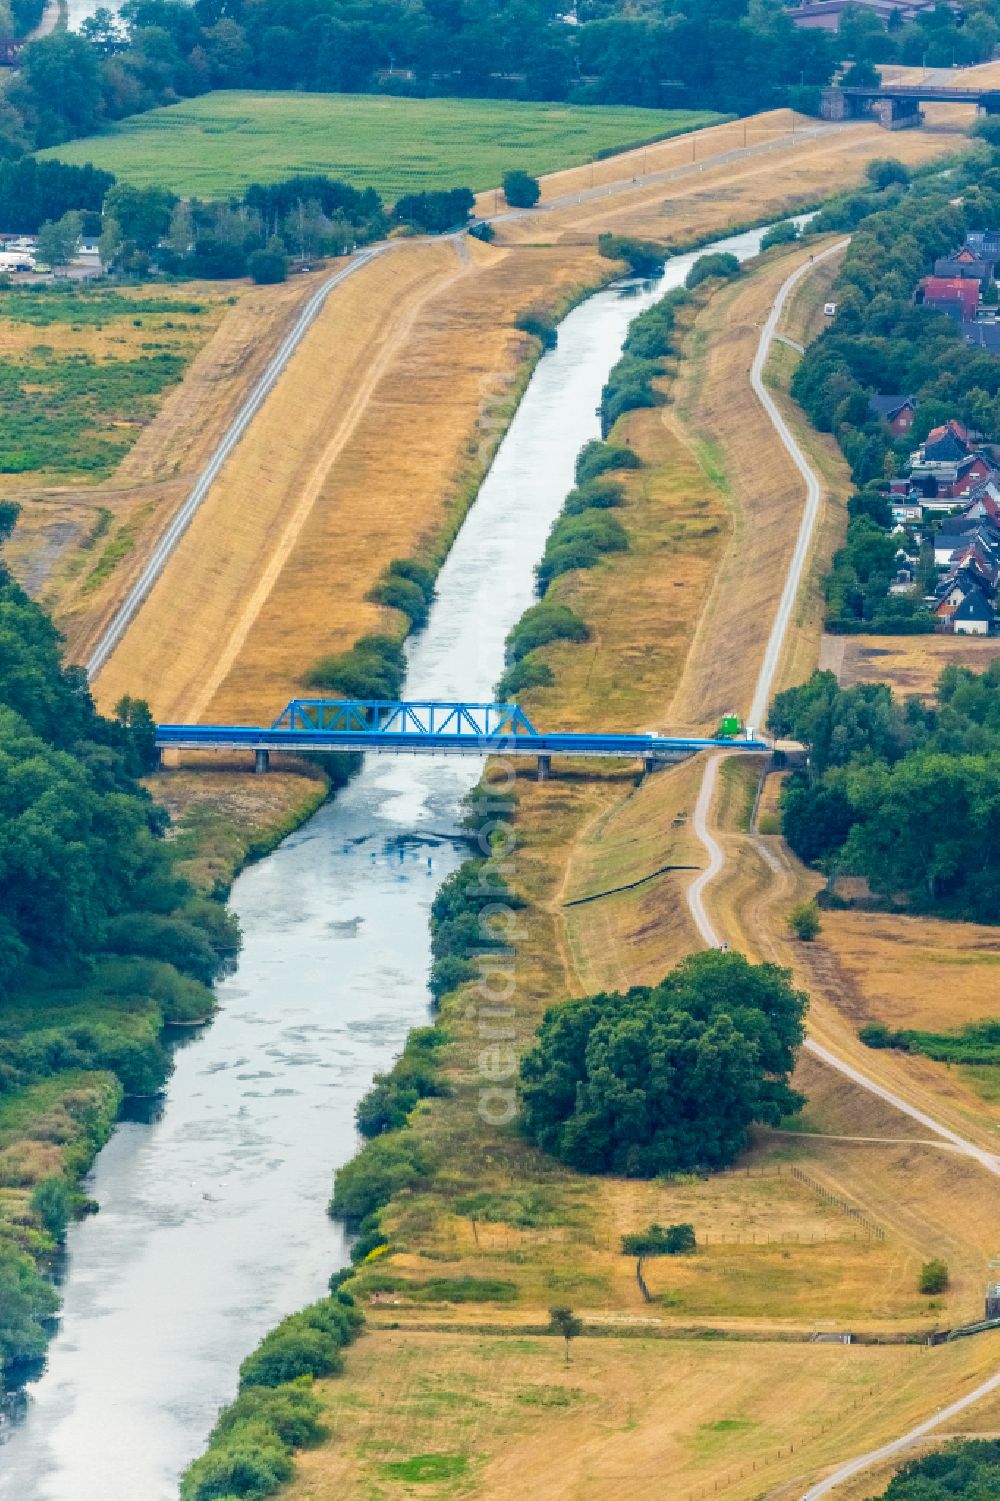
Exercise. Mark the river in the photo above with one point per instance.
(213, 1220)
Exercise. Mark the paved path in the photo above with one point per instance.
(716, 860)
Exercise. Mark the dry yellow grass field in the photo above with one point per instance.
(461, 1415)
(910, 664)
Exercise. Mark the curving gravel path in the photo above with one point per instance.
(716, 856)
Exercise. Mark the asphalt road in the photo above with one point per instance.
(716, 859)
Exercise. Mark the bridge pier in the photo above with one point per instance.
(649, 764)
(261, 761)
(544, 770)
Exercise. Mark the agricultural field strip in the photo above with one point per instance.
(126, 612)
(695, 895)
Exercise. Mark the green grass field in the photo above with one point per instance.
(219, 143)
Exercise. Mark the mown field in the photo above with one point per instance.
(214, 145)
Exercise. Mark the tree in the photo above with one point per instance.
(267, 266)
(520, 189)
(804, 921)
(58, 239)
(668, 1078)
(111, 244)
(785, 233)
(51, 1202)
(143, 214)
(133, 714)
(933, 1277)
(564, 1322)
(884, 171)
(59, 85)
(707, 267)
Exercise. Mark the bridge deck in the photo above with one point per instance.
(428, 727)
(630, 747)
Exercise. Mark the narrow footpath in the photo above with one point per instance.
(716, 854)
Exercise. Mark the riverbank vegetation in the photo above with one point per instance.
(899, 793)
(249, 1452)
(102, 942)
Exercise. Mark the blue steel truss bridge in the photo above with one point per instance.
(432, 728)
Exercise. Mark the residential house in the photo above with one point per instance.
(961, 532)
(955, 295)
(945, 469)
(984, 333)
(964, 263)
(984, 503)
(897, 412)
(985, 243)
(975, 616)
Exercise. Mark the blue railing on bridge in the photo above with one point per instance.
(430, 727)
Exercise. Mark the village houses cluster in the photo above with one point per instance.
(949, 500)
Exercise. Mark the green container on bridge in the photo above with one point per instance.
(729, 727)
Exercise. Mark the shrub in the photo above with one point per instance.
(596, 494)
(288, 1352)
(655, 1240)
(408, 586)
(290, 1411)
(172, 939)
(933, 1277)
(401, 594)
(643, 257)
(804, 921)
(578, 542)
(597, 458)
(521, 677)
(392, 1096)
(52, 1204)
(541, 624)
(520, 189)
(267, 267)
(384, 1167)
(668, 1078)
(718, 265)
(539, 328)
(885, 171)
(875, 1035)
(373, 668)
(448, 973)
(250, 1466)
(785, 233)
